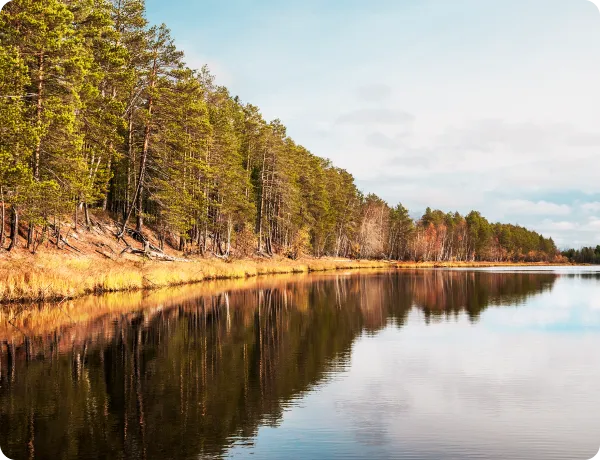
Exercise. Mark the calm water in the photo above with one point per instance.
(419, 365)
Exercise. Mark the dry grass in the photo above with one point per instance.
(81, 316)
(56, 276)
(93, 317)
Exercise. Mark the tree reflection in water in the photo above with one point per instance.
(187, 380)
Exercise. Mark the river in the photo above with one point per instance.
(431, 364)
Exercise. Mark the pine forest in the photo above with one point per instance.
(99, 115)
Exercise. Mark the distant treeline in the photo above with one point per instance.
(586, 255)
(98, 110)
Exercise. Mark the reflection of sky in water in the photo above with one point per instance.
(522, 382)
(572, 306)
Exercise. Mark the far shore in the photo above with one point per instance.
(424, 265)
(57, 277)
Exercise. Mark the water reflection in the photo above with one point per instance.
(184, 376)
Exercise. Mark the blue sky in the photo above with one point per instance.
(456, 105)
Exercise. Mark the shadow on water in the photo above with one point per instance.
(185, 375)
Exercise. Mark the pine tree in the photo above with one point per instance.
(101, 110)
(126, 88)
(162, 60)
(178, 163)
(230, 204)
(401, 230)
(55, 55)
(16, 137)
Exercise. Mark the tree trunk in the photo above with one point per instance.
(38, 147)
(40, 101)
(40, 240)
(30, 235)
(14, 229)
(229, 232)
(105, 199)
(86, 213)
(262, 203)
(57, 227)
(2, 217)
(139, 198)
(217, 248)
(146, 148)
(130, 161)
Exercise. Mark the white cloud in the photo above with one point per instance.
(540, 208)
(381, 141)
(593, 224)
(549, 225)
(578, 232)
(584, 139)
(591, 207)
(489, 134)
(375, 93)
(376, 116)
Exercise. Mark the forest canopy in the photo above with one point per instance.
(98, 111)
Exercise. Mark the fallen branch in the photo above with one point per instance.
(69, 245)
(152, 254)
(105, 254)
(103, 245)
(139, 237)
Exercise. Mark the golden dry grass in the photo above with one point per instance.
(39, 319)
(79, 319)
(55, 276)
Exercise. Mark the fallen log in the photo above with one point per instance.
(139, 237)
(152, 255)
(69, 245)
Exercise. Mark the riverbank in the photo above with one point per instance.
(425, 265)
(54, 276)
(90, 260)
(74, 318)
(47, 277)
(89, 319)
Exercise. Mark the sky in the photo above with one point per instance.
(469, 104)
